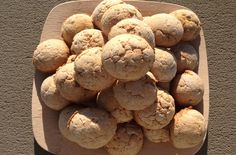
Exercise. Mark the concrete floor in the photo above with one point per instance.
(21, 23)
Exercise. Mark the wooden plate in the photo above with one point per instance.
(45, 121)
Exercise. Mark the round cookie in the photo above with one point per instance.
(68, 87)
(133, 26)
(101, 8)
(92, 128)
(89, 72)
(190, 22)
(64, 117)
(136, 95)
(167, 29)
(128, 140)
(127, 57)
(158, 135)
(87, 39)
(188, 129)
(107, 101)
(50, 54)
(51, 95)
(159, 114)
(164, 67)
(73, 25)
(117, 13)
(187, 88)
(186, 57)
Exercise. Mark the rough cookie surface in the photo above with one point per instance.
(158, 135)
(51, 95)
(188, 129)
(68, 87)
(50, 54)
(190, 22)
(164, 67)
(128, 140)
(101, 9)
(167, 29)
(133, 26)
(107, 101)
(146, 19)
(87, 39)
(71, 58)
(159, 114)
(73, 25)
(63, 121)
(187, 88)
(127, 57)
(186, 57)
(117, 13)
(89, 72)
(92, 128)
(136, 95)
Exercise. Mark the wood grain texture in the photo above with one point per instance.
(45, 120)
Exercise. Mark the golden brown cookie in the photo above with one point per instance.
(128, 140)
(159, 114)
(127, 57)
(190, 22)
(50, 54)
(187, 88)
(90, 73)
(51, 95)
(188, 129)
(73, 25)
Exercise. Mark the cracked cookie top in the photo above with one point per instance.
(128, 140)
(64, 117)
(159, 114)
(86, 39)
(101, 8)
(136, 95)
(117, 13)
(187, 88)
(133, 26)
(92, 128)
(107, 100)
(73, 25)
(90, 73)
(167, 29)
(127, 57)
(68, 87)
(190, 22)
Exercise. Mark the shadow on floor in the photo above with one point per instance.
(39, 151)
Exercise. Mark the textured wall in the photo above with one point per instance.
(21, 22)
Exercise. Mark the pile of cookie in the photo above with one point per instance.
(117, 77)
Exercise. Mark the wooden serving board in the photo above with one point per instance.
(45, 120)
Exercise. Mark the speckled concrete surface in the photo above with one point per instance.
(21, 22)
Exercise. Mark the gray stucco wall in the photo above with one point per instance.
(21, 22)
